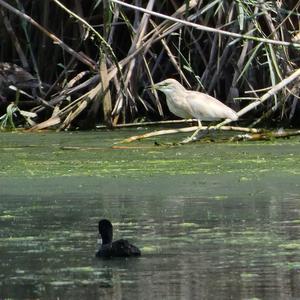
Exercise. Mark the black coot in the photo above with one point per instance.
(119, 248)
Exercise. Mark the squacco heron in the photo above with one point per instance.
(192, 104)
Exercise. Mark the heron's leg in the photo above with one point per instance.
(195, 135)
(212, 132)
(197, 130)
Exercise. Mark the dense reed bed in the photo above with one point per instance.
(81, 63)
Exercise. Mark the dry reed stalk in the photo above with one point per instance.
(186, 130)
(142, 44)
(262, 60)
(53, 37)
(73, 109)
(172, 57)
(275, 89)
(209, 29)
(15, 40)
(265, 136)
(136, 43)
(73, 114)
(105, 93)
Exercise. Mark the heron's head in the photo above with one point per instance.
(168, 86)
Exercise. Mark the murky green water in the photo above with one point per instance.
(214, 221)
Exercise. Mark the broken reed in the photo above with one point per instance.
(98, 57)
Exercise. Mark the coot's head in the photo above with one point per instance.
(106, 231)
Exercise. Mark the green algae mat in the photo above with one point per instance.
(213, 220)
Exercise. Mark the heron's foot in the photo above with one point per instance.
(212, 133)
(196, 136)
(187, 140)
(165, 144)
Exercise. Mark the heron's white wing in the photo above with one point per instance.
(207, 108)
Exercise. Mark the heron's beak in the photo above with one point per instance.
(151, 87)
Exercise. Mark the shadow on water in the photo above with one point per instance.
(230, 234)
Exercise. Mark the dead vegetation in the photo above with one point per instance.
(86, 63)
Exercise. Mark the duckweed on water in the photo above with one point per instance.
(249, 275)
(39, 155)
(7, 217)
(188, 225)
(225, 215)
(291, 246)
(150, 249)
